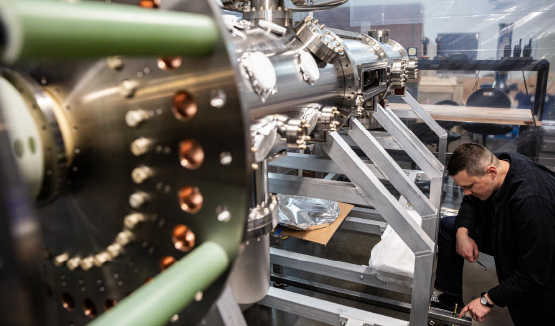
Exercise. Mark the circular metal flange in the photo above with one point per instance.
(319, 40)
(398, 73)
(83, 228)
(262, 219)
(381, 35)
(277, 16)
(412, 68)
(43, 158)
(374, 44)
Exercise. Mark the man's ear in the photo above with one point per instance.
(491, 171)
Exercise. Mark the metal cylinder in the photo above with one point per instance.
(267, 4)
(293, 93)
(169, 292)
(250, 277)
(49, 29)
(261, 183)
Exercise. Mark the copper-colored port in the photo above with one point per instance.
(89, 308)
(149, 3)
(183, 238)
(190, 199)
(109, 303)
(184, 106)
(166, 262)
(67, 301)
(169, 63)
(191, 154)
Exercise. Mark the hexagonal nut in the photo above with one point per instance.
(114, 250)
(73, 263)
(101, 258)
(87, 263)
(124, 237)
(131, 221)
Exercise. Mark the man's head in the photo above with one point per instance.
(476, 170)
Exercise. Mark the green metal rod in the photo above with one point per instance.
(54, 30)
(171, 291)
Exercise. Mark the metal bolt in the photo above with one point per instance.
(138, 199)
(140, 146)
(225, 158)
(87, 263)
(61, 259)
(101, 258)
(131, 221)
(114, 63)
(198, 296)
(73, 263)
(114, 250)
(361, 277)
(140, 174)
(134, 117)
(127, 88)
(124, 237)
(255, 166)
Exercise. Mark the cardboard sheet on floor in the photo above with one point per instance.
(321, 236)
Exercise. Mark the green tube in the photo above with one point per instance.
(54, 30)
(171, 291)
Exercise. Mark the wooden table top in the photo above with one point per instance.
(469, 114)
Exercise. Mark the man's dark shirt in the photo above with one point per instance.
(521, 215)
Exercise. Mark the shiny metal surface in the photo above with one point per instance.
(86, 218)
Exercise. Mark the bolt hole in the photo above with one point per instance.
(67, 301)
(190, 199)
(191, 154)
(109, 304)
(183, 238)
(166, 262)
(89, 308)
(184, 106)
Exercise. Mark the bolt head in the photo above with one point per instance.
(101, 258)
(140, 174)
(114, 250)
(87, 263)
(140, 146)
(138, 199)
(73, 263)
(133, 118)
(61, 259)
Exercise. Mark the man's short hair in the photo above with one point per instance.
(472, 158)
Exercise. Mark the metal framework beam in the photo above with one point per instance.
(397, 176)
(410, 143)
(363, 225)
(323, 311)
(340, 270)
(439, 131)
(373, 191)
(434, 314)
(317, 188)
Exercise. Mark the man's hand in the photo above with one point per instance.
(476, 309)
(466, 247)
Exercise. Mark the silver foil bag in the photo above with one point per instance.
(305, 213)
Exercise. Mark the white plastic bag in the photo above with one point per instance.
(391, 254)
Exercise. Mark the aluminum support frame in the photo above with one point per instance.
(373, 191)
(410, 143)
(340, 270)
(369, 145)
(439, 131)
(393, 212)
(317, 188)
(225, 312)
(324, 311)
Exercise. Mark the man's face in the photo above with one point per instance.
(481, 187)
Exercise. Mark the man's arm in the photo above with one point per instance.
(533, 219)
(467, 213)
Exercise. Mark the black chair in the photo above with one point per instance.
(493, 98)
